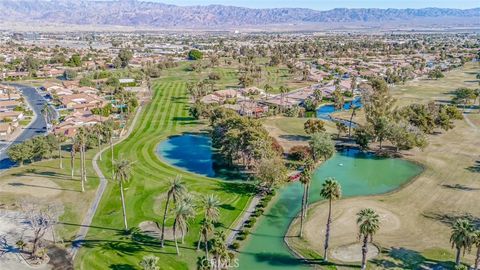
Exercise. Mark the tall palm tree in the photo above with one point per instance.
(476, 243)
(189, 199)
(122, 170)
(81, 140)
(368, 224)
(210, 205)
(72, 156)
(461, 238)
(60, 138)
(331, 190)
(183, 213)
(98, 129)
(108, 130)
(219, 250)
(205, 229)
(305, 179)
(175, 190)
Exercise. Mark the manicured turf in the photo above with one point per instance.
(106, 246)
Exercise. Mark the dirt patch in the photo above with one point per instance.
(353, 252)
(30, 185)
(151, 229)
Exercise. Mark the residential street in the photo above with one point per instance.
(37, 127)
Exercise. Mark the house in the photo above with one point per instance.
(76, 120)
(248, 108)
(5, 130)
(11, 116)
(6, 105)
(82, 102)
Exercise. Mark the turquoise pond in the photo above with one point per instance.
(359, 174)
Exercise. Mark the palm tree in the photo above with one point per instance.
(183, 213)
(219, 249)
(461, 238)
(60, 139)
(189, 199)
(283, 91)
(331, 190)
(476, 243)
(175, 191)
(354, 109)
(98, 129)
(123, 169)
(210, 205)
(81, 140)
(368, 224)
(72, 156)
(305, 178)
(108, 130)
(149, 263)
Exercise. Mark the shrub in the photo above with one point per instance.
(299, 152)
(235, 245)
(195, 55)
(241, 237)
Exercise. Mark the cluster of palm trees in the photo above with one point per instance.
(83, 139)
(184, 209)
(367, 219)
(464, 237)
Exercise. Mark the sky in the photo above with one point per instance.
(330, 4)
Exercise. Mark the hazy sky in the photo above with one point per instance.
(329, 4)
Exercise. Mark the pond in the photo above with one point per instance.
(357, 172)
(323, 112)
(194, 153)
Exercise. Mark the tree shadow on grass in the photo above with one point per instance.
(237, 188)
(121, 267)
(450, 218)
(402, 258)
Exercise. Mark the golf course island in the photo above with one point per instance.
(247, 151)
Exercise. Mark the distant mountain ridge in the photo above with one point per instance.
(154, 14)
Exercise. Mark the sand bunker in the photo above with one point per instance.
(150, 228)
(353, 252)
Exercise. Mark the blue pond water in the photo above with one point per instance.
(324, 111)
(194, 153)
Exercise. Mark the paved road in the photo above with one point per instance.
(37, 127)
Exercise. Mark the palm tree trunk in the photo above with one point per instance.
(457, 257)
(205, 237)
(306, 199)
(302, 214)
(111, 149)
(72, 161)
(60, 155)
(81, 170)
(350, 125)
(327, 232)
(99, 146)
(84, 164)
(364, 252)
(477, 259)
(199, 240)
(175, 235)
(123, 206)
(162, 237)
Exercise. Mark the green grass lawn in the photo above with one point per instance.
(106, 246)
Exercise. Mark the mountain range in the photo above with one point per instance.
(158, 15)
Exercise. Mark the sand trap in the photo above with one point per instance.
(151, 229)
(29, 185)
(353, 252)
